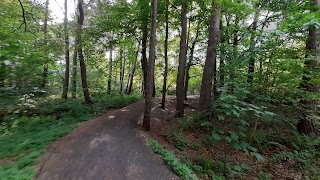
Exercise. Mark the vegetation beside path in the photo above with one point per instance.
(26, 134)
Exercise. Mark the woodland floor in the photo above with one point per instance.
(112, 147)
(108, 147)
(192, 148)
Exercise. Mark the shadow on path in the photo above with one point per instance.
(108, 147)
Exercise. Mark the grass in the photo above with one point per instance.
(24, 138)
(182, 170)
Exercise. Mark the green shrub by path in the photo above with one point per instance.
(180, 169)
(27, 137)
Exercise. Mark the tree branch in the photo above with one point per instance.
(24, 16)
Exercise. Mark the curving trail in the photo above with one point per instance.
(107, 148)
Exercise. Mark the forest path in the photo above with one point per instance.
(108, 147)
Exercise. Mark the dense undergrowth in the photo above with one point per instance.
(179, 168)
(26, 132)
(242, 139)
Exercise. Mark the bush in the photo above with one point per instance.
(181, 170)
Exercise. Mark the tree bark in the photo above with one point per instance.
(74, 73)
(3, 74)
(129, 89)
(144, 55)
(122, 64)
(210, 63)
(252, 46)
(83, 68)
(67, 53)
(182, 61)
(309, 107)
(150, 72)
(74, 64)
(190, 62)
(45, 32)
(110, 66)
(223, 40)
(165, 73)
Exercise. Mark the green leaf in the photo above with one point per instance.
(206, 123)
(228, 139)
(236, 146)
(234, 136)
(245, 166)
(216, 136)
(252, 149)
(269, 113)
(258, 156)
(221, 117)
(237, 168)
(234, 112)
(244, 122)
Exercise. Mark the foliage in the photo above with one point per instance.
(176, 138)
(242, 111)
(181, 170)
(28, 136)
(305, 151)
(207, 166)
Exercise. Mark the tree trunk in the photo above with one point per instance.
(122, 64)
(67, 54)
(252, 46)
(223, 40)
(144, 55)
(129, 74)
(129, 89)
(110, 66)
(309, 107)
(190, 62)
(74, 73)
(3, 74)
(165, 74)
(210, 63)
(80, 53)
(45, 32)
(182, 61)
(150, 67)
(74, 65)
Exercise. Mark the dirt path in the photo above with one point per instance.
(108, 147)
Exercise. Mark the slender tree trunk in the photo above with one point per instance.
(129, 89)
(206, 84)
(165, 74)
(144, 55)
(129, 74)
(221, 67)
(182, 61)
(45, 32)
(252, 46)
(223, 40)
(67, 53)
(83, 68)
(3, 74)
(74, 63)
(309, 107)
(150, 72)
(74, 73)
(231, 63)
(110, 66)
(190, 63)
(122, 64)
